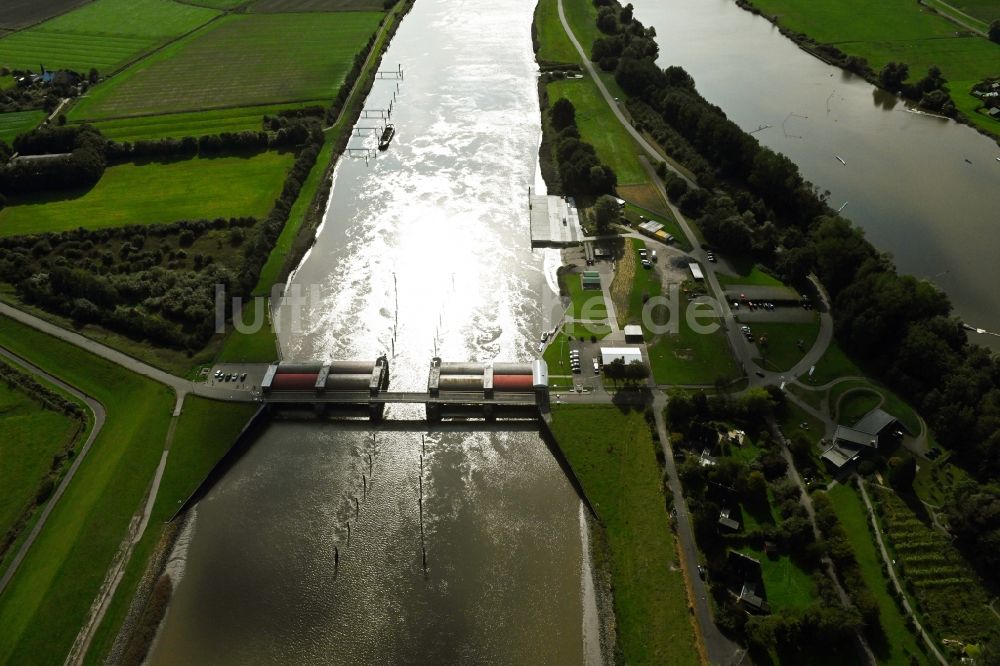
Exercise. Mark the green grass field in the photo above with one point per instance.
(32, 435)
(104, 34)
(782, 351)
(612, 454)
(984, 10)
(787, 586)
(615, 146)
(553, 44)
(687, 357)
(856, 404)
(18, 122)
(44, 606)
(584, 303)
(197, 123)
(899, 641)
(582, 18)
(205, 431)
(833, 365)
(901, 31)
(256, 347)
(239, 60)
(157, 193)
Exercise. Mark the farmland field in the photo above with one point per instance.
(197, 123)
(275, 6)
(16, 14)
(935, 574)
(157, 193)
(984, 10)
(240, 60)
(901, 31)
(105, 34)
(12, 124)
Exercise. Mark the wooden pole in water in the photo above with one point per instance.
(364, 487)
(348, 533)
(357, 507)
(369, 464)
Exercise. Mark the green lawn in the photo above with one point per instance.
(199, 188)
(782, 351)
(856, 404)
(984, 10)
(578, 330)
(756, 277)
(584, 303)
(833, 365)
(198, 123)
(32, 435)
(44, 606)
(645, 285)
(787, 586)
(688, 357)
(239, 60)
(899, 641)
(598, 126)
(556, 355)
(553, 44)
(205, 432)
(259, 347)
(276, 6)
(105, 34)
(901, 31)
(612, 454)
(18, 122)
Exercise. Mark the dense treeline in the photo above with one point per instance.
(902, 329)
(78, 160)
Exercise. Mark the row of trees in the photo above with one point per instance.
(80, 160)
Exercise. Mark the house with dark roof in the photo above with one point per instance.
(850, 443)
(749, 577)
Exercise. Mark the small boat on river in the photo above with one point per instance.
(387, 134)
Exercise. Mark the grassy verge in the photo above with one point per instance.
(194, 189)
(33, 435)
(755, 277)
(834, 364)
(257, 347)
(205, 431)
(898, 643)
(613, 455)
(553, 44)
(47, 600)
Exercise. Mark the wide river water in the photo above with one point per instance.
(906, 181)
(437, 224)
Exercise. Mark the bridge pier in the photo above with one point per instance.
(433, 412)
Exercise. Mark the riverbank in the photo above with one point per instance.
(862, 40)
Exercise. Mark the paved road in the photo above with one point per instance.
(720, 649)
(895, 581)
(97, 409)
(181, 387)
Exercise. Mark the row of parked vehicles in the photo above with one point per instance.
(230, 376)
(574, 362)
(647, 257)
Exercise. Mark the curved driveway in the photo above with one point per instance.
(97, 409)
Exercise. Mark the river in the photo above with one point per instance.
(438, 225)
(906, 180)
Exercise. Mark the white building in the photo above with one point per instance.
(627, 354)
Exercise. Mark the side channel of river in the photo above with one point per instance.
(925, 189)
(437, 224)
